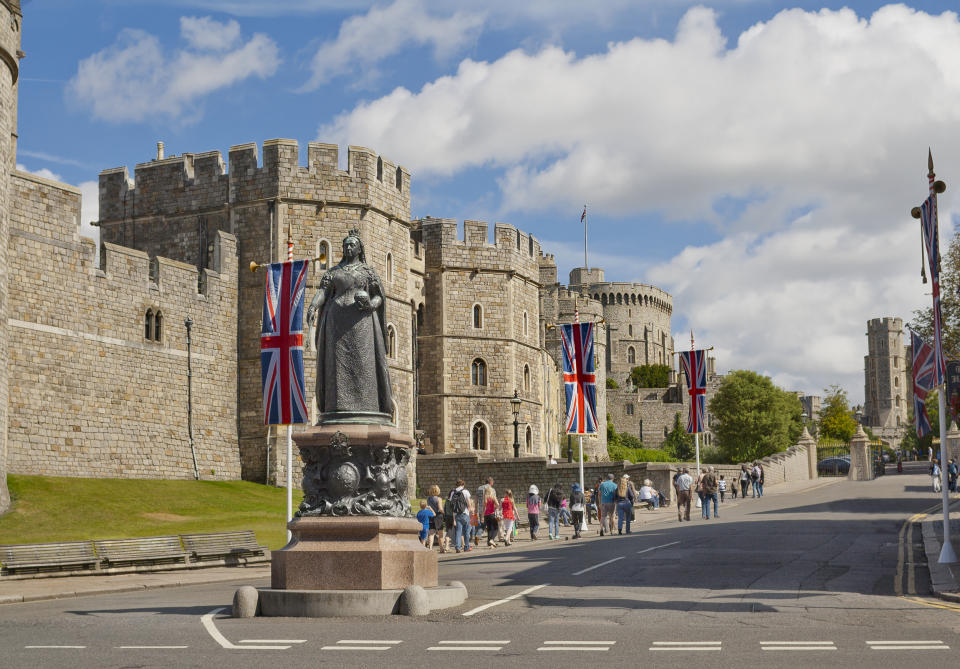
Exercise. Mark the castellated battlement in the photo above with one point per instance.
(632, 294)
(512, 250)
(193, 182)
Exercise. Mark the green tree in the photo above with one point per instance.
(678, 443)
(836, 418)
(910, 436)
(613, 439)
(611, 384)
(949, 304)
(650, 376)
(753, 418)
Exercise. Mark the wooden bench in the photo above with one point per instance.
(223, 545)
(48, 557)
(148, 550)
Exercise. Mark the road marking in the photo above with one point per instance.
(376, 641)
(647, 550)
(151, 647)
(505, 599)
(597, 566)
(577, 645)
(797, 645)
(273, 640)
(934, 605)
(54, 646)
(212, 630)
(907, 645)
(362, 644)
(902, 550)
(474, 644)
(686, 645)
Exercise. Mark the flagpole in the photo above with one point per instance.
(583, 519)
(585, 263)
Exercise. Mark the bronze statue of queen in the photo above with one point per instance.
(353, 380)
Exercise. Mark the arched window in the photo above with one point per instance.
(630, 330)
(633, 299)
(631, 355)
(391, 342)
(597, 297)
(530, 243)
(529, 440)
(524, 323)
(898, 421)
(629, 408)
(526, 378)
(323, 249)
(478, 372)
(148, 325)
(399, 179)
(896, 380)
(619, 298)
(420, 316)
(379, 168)
(389, 267)
(477, 316)
(478, 437)
(898, 400)
(603, 300)
(157, 326)
(518, 240)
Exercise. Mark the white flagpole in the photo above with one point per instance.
(947, 554)
(583, 519)
(289, 478)
(585, 264)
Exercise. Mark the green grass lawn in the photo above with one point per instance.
(66, 509)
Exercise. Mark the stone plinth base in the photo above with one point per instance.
(346, 603)
(353, 553)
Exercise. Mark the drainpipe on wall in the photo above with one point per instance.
(196, 471)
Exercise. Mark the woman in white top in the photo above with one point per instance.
(648, 494)
(935, 474)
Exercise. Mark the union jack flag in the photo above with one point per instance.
(931, 244)
(694, 366)
(924, 373)
(281, 344)
(579, 377)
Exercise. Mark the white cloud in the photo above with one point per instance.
(816, 122)
(366, 39)
(135, 79)
(203, 32)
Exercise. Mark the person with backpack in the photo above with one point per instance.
(624, 499)
(709, 486)
(577, 507)
(533, 511)
(458, 507)
(755, 480)
(952, 471)
(554, 499)
(607, 490)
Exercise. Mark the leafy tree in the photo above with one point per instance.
(650, 376)
(753, 418)
(613, 439)
(949, 304)
(836, 418)
(678, 443)
(910, 436)
(612, 384)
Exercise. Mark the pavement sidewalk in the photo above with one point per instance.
(944, 578)
(30, 590)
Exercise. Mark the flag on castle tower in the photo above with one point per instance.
(583, 216)
(924, 381)
(281, 344)
(695, 368)
(931, 244)
(579, 377)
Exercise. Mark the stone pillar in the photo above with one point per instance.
(808, 442)
(861, 469)
(953, 443)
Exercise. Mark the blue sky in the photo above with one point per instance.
(755, 159)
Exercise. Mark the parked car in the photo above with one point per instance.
(833, 465)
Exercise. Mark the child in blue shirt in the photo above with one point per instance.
(423, 516)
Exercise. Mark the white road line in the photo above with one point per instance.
(212, 630)
(579, 643)
(882, 643)
(687, 643)
(151, 647)
(273, 640)
(798, 647)
(574, 648)
(796, 643)
(356, 647)
(653, 548)
(686, 646)
(597, 566)
(54, 646)
(907, 645)
(376, 641)
(505, 600)
(475, 642)
(464, 647)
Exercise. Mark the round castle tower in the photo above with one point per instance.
(638, 321)
(10, 19)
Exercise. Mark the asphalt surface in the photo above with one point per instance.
(829, 575)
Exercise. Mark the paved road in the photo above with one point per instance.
(828, 576)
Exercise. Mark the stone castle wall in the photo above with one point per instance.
(10, 21)
(501, 278)
(176, 204)
(91, 393)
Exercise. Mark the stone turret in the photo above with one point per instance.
(10, 20)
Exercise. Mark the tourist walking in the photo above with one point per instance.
(554, 498)
(760, 480)
(475, 529)
(607, 490)
(745, 480)
(436, 523)
(952, 471)
(683, 485)
(509, 516)
(624, 499)
(533, 511)
(722, 487)
(459, 505)
(424, 516)
(490, 508)
(755, 479)
(577, 508)
(935, 474)
(698, 486)
(710, 485)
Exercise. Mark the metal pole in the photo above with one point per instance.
(696, 444)
(947, 554)
(583, 521)
(585, 264)
(193, 451)
(516, 436)
(289, 478)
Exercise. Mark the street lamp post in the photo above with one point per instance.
(515, 403)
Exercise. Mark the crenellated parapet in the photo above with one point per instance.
(512, 250)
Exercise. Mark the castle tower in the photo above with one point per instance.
(10, 20)
(174, 206)
(480, 341)
(885, 377)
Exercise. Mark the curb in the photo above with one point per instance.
(942, 582)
